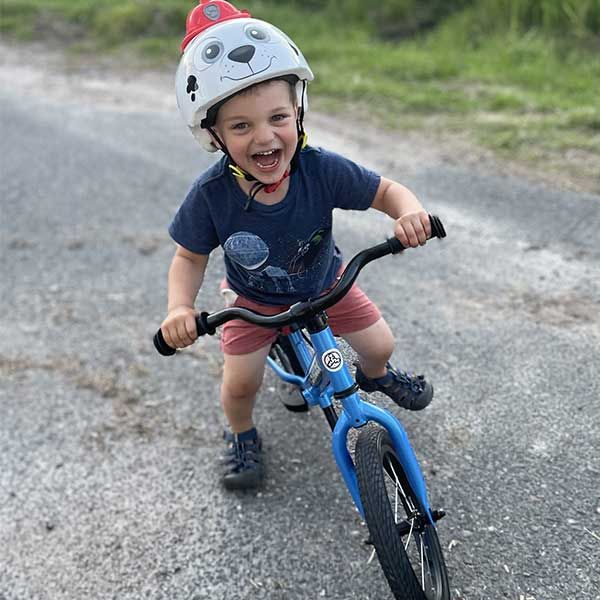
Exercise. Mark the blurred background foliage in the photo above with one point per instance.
(397, 19)
(387, 19)
(519, 76)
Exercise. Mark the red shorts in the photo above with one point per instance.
(353, 312)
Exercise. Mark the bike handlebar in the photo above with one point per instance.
(207, 323)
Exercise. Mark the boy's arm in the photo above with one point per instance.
(412, 225)
(186, 274)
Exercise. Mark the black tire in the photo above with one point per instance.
(282, 351)
(285, 352)
(396, 528)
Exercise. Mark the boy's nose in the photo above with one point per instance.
(263, 134)
(243, 54)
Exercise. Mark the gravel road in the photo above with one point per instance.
(108, 477)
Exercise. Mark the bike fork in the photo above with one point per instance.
(401, 445)
(356, 414)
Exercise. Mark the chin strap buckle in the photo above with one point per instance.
(303, 140)
(237, 172)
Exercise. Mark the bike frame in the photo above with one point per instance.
(337, 382)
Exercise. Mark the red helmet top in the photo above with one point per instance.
(207, 14)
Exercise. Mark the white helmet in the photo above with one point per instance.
(224, 52)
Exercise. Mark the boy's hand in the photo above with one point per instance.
(413, 229)
(179, 328)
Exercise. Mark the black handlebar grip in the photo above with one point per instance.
(437, 228)
(161, 346)
(395, 245)
(202, 324)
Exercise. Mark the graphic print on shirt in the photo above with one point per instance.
(307, 252)
(250, 253)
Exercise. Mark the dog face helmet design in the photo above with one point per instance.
(224, 52)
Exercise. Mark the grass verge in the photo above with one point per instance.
(527, 97)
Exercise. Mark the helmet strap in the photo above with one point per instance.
(267, 188)
(257, 187)
(302, 137)
(235, 170)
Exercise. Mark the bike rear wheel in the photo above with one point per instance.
(406, 543)
(283, 353)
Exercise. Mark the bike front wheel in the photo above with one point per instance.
(406, 542)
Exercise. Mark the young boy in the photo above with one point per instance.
(241, 87)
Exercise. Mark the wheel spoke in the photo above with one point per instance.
(412, 526)
(422, 563)
(396, 487)
(399, 488)
(407, 504)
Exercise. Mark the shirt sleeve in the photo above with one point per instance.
(352, 186)
(193, 226)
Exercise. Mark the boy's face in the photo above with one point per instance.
(259, 129)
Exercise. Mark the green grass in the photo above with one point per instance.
(523, 91)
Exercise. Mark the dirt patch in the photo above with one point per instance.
(566, 309)
(146, 245)
(134, 411)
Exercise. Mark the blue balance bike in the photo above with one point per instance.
(383, 476)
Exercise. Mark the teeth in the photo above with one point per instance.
(267, 153)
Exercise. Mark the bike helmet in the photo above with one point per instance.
(226, 51)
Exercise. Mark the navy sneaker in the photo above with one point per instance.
(408, 391)
(242, 462)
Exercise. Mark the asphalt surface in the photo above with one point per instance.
(108, 475)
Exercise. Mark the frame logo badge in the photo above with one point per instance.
(332, 360)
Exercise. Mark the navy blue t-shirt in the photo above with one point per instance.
(285, 252)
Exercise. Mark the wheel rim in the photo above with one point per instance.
(414, 534)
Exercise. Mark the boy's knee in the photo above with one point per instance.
(243, 374)
(240, 388)
(381, 340)
(375, 344)
(384, 348)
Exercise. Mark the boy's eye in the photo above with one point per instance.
(279, 117)
(239, 126)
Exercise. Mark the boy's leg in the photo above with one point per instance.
(374, 346)
(242, 377)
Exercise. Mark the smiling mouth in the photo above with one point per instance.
(253, 72)
(267, 161)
